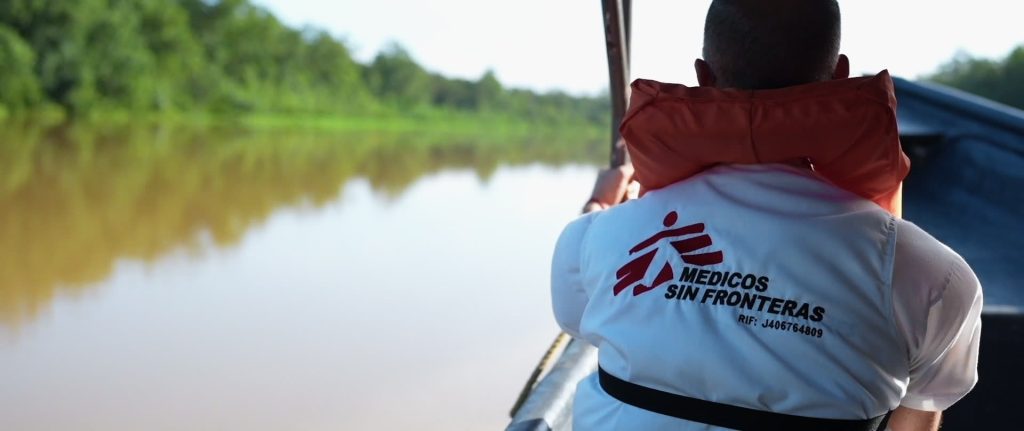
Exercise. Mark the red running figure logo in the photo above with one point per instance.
(685, 244)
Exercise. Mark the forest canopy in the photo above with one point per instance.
(233, 57)
(999, 80)
(229, 57)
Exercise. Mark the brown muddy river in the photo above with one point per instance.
(162, 279)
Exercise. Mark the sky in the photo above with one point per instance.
(559, 44)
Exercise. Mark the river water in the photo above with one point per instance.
(166, 279)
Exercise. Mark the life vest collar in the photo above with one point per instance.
(846, 128)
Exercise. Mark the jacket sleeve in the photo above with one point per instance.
(939, 301)
(946, 367)
(568, 295)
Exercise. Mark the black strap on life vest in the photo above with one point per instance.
(724, 415)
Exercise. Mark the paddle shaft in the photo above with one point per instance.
(617, 23)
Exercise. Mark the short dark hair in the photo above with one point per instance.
(760, 44)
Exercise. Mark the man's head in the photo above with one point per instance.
(758, 44)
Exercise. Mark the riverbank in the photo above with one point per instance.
(476, 126)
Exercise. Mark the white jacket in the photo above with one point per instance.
(763, 286)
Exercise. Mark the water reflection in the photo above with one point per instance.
(75, 200)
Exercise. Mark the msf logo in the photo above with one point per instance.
(684, 241)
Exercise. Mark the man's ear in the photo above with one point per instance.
(842, 67)
(705, 77)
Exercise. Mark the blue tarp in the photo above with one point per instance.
(966, 184)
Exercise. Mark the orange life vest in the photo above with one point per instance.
(846, 129)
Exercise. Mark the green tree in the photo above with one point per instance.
(57, 32)
(241, 43)
(395, 77)
(115, 52)
(1000, 80)
(179, 65)
(19, 88)
(329, 65)
(457, 94)
(488, 91)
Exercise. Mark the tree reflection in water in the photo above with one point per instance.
(75, 199)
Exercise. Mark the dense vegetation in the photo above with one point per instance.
(999, 80)
(230, 57)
